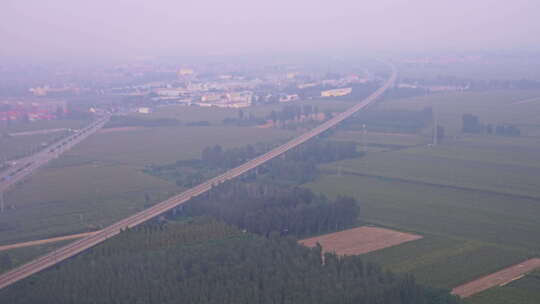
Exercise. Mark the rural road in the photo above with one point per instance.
(499, 278)
(81, 245)
(26, 166)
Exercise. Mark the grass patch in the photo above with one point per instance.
(480, 165)
(164, 145)
(101, 180)
(496, 107)
(45, 124)
(20, 146)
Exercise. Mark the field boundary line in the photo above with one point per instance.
(410, 181)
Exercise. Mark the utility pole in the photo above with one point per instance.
(364, 135)
(2, 202)
(435, 127)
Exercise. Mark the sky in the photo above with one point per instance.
(129, 28)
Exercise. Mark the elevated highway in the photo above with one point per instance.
(81, 245)
(26, 166)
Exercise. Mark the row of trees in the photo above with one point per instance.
(266, 208)
(204, 267)
(472, 124)
(298, 165)
(301, 164)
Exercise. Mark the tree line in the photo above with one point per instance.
(472, 124)
(195, 262)
(267, 208)
(296, 166)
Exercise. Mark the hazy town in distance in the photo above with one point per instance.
(273, 153)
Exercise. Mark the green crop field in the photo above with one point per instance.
(59, 201)
(42, 125)
(495, 107)
(13, 147)
(374, 141)
(513, 170)
(473, 233)
(514, 68)
(101, 179)
(166, 144)
(475, 198)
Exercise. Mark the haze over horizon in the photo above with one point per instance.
(118, 29)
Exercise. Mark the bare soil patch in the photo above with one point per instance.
(360, 240)
(498, 278)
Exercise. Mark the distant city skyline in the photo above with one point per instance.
(121, 28)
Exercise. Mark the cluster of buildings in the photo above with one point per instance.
(336, 92)
(48, 90)
(434, 88)
(235, 91)
(13, 110)
(226, 86)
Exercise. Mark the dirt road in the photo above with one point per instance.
(498, 278)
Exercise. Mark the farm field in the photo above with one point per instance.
(359, 240)
(60, 201)
(474, 198)
(467, 234)
(43, 125)
(513, 69)
(508, 168)
(20, 146)
(164, 145)
(101, 180)
(523, 291)
(496, 107)
(376, 141)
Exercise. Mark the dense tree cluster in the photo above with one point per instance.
(263, 209)
(195, 263)
(292, 112)
(298, 165)
(472, 124)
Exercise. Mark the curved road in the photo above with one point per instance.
(134, 220)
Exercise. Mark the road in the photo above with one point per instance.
(26, 166)
(83, 244)
(37, 132)
(45, 241)
(499, 278)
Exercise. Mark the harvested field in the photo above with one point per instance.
(360, 240)
(498, 278)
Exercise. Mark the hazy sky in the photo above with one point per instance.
(128, 28)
